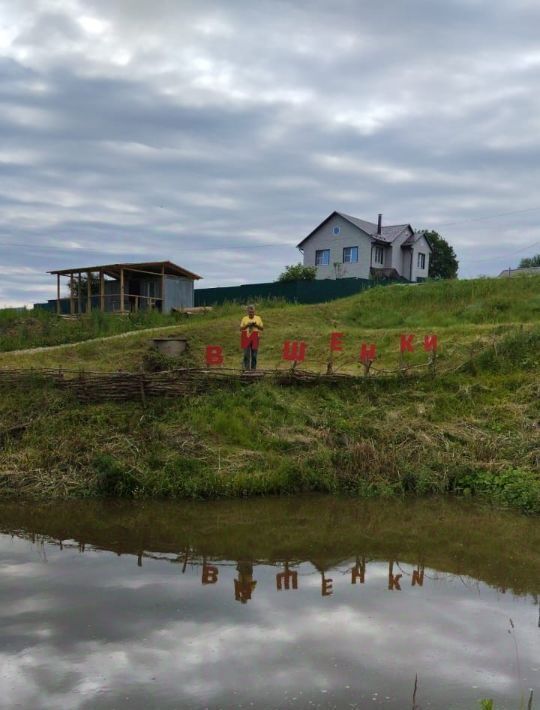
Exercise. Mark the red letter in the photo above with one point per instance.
(214, 355)
(368, 353)
(294, 350)
(430, 343)
(406, 343)
(335, 342)
(209, 574)
(247, 340)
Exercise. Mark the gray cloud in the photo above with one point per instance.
(218, 135)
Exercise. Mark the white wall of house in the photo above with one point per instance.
(406, 254)
(420, 247)
(404, 261)
(387, 256)
(398, 253)
(349, 236)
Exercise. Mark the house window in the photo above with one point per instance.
(336, 231)
(421, 260)
(378, 255)
(322, 257)
(350, 255)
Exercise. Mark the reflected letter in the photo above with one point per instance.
(209, 574)
(418, 576)
(326, 586)
(285, 578)
(358, 572)
(393, 579)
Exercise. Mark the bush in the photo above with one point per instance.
(298, 272)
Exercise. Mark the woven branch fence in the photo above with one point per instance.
(123, 386)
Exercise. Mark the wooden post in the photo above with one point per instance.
(121, 290)
(57, 294)
(89, 292)
(71, 289)
(163, 288)
(101, 291)
(79, 294)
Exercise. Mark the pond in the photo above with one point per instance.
(311, 602)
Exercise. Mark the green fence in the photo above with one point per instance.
(296, 291)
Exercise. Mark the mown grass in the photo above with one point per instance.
(464, 314)
(474, 432)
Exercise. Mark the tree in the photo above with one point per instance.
(443, 263)
(530, 261)
(94, 285)
(298, 272)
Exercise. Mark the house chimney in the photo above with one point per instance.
(379, 225)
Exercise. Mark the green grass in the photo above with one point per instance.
(464, 314)
(471, 433)
(38, 328)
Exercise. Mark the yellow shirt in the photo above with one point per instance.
(251, 324)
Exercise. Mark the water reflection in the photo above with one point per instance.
(300, 603)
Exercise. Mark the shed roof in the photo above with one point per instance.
(150, 267)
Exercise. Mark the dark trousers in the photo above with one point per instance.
(250, 358)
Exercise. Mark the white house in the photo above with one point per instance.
(343, 247)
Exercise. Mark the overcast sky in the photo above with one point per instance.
(218, 134)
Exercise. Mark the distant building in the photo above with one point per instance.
(527, 271)
(344, 246)
(124, 288)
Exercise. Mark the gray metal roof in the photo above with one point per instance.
(414, 238)
(388, 233)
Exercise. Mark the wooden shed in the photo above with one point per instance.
(125, 288)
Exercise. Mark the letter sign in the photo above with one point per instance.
(336, 344)
(214, 355)
(247, 340)
(294, 350)
(430, 343)
(368, 353)
(407, 344)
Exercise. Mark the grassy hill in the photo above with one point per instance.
(474, 431)
(461, 313)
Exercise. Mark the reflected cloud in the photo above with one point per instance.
(133, 618)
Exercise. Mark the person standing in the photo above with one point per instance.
(249, 325)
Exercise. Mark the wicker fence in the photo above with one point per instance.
(124, 386)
